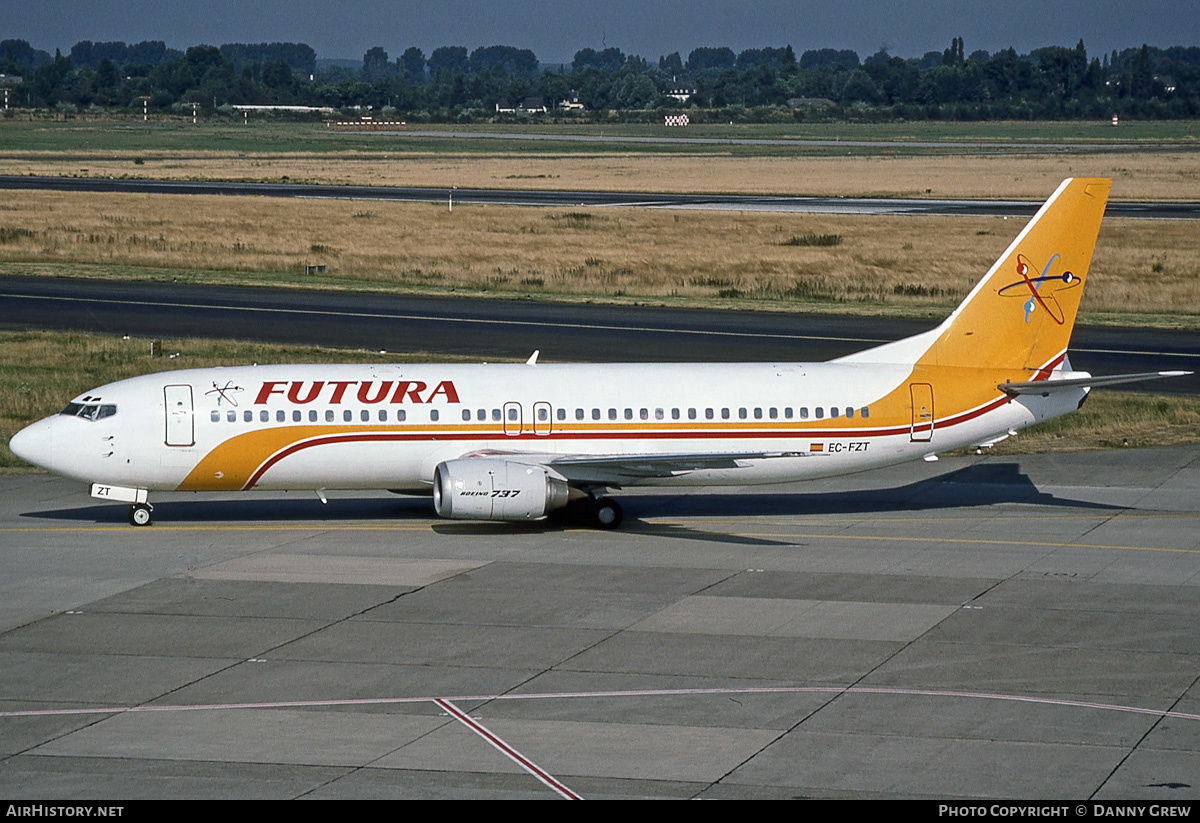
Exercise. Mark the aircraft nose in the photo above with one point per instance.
(35, 443)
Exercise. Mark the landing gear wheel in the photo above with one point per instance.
(606, 513)
(140, 514)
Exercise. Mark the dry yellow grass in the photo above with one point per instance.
(1113, 420)
(882, 263)
(1160, 175)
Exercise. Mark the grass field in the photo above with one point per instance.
(1150, 176)
(1149, 161)
(265, 133)
(1144, 271)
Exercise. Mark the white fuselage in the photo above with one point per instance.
(389, 426)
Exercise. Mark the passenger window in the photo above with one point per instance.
(401, 415)
(708, 414)
(595, 414)
(347, 416)
(512, 414)
(674, 414)
(383, 415)
(612, 414)
(691, 414)
(542, 414)
(819, 412)
(329, 415)
(804, 412)
(833, 412)
(496, 415)
(579, 414)
(295, 415)
(312, 415)
(561, 414)
(365, 416)
(787, 412)
(643, 414)
(724, 414)
(629, 414)
(658, 414)
(773, 413)
(866, 411)
(248, 416)
(280, 416)
(849, 411)
(758, 414)
(466, 414)
(433, 414)
(481, 415)
(742, 414)
(231, 416)
(264, 416)
(215, 417)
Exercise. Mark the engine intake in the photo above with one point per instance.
(491, 489)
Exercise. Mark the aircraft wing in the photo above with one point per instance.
(589, 469)
(613, 470)
(1082, 380)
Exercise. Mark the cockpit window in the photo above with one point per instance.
(90, 411)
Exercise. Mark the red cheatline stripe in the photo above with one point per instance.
(721, 434)
(507, 750)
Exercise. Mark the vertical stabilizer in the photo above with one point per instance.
(1021, 314)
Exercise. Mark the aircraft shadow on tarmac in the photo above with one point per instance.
(978, 485)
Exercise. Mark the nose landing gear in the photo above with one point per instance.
(141, 514)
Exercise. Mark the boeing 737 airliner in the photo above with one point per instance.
(517, 442)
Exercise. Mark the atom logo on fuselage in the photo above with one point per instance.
(1040, 290)
(225, 393)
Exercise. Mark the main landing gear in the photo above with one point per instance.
(596, 512)
(141, 514)
(606, 513)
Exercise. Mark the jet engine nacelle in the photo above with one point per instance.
(491, 489)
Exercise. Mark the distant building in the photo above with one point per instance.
(810, 102)
(533, 105)
(680, 91)
(572, 102)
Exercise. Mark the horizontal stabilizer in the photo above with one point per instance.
(1082, 380)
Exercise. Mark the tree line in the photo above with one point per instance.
(452, 83)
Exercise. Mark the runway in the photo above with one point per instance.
(975, 628)
(587, 199)
(492, 329)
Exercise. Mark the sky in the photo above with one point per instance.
(556, 29)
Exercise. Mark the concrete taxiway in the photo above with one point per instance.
(978, 627)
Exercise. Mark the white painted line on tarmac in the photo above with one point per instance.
(496, 742)
(388, 701)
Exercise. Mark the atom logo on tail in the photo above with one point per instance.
(1041, 289)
